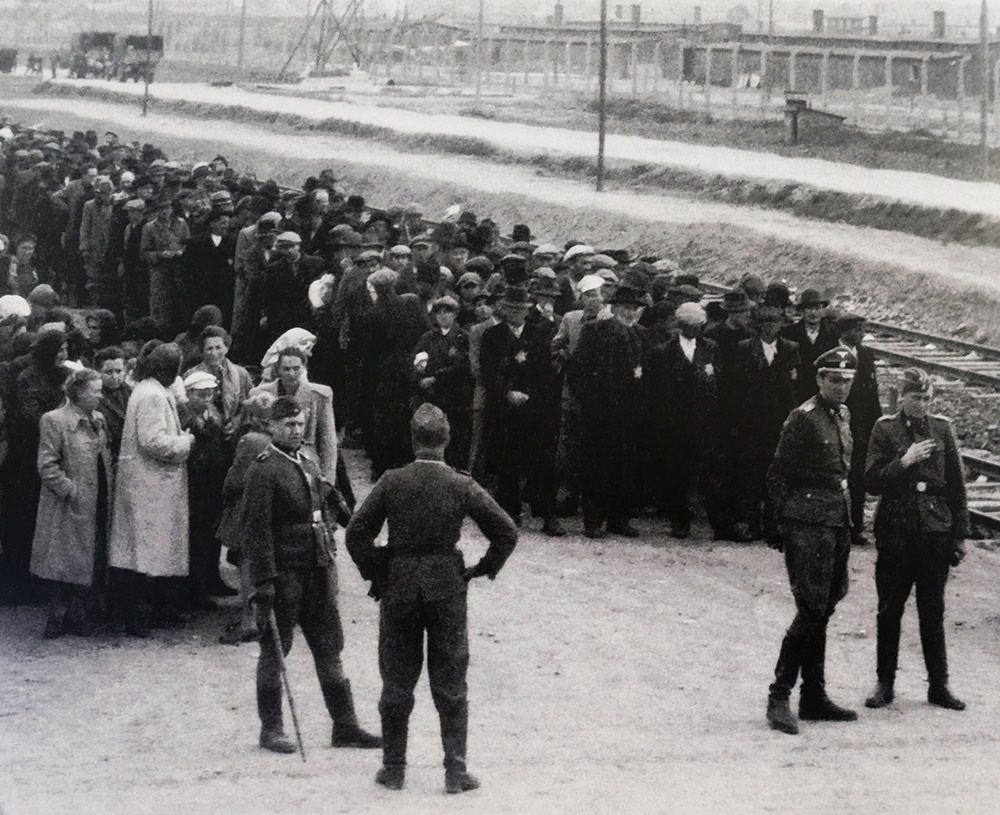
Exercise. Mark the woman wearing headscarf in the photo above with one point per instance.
(149, 536)
(299, 337)
(70, 542)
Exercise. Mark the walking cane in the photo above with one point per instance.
(272, 620)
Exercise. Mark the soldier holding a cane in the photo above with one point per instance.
(288, 530)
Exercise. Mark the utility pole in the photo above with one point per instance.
(242, 40)
(602, 95)
(984, 110)
(149, 47)
(479, 53)
(770, 18)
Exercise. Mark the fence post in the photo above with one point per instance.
(792, 77)
(924, 97)
(856, 87)
(961, 97)
(888, 90)
(680, 77)
(735, 75)
(824, 79)
(762, 92)
(708, 79)
(633, 60)
(657, 61)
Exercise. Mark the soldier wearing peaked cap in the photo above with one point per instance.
(421, 582)
(807, 484)
(922, 520)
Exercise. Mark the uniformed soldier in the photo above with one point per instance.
(920, 528)
(288, 530)
(807, 483)
(421, 579)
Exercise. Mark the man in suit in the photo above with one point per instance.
(514, 361)
(285, 294)
(606, 377)
(684, 419)
(807, 484)
(813, 336)
(207, 266)
(865, 410)
(766, 368)
(288, 531)
(421, 582)
(920, 527)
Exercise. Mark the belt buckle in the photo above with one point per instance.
(317, 516)
(843, 484)
(921, 486)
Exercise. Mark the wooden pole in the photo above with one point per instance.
(602, 81)
(149, 47)
(984, 109)
(242, 39)
(479, 54)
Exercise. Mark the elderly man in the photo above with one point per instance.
(807, 484)
(920, 528)
(421, 582)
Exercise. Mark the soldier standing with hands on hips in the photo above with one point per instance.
(421, 581)
(808, 487)
(920, 529)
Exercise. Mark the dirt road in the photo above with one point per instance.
(606, 677)
(917, 188)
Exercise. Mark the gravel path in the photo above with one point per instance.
(958, 265)
(917, 188)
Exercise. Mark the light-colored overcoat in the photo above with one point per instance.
(71, 444)
(149, 531)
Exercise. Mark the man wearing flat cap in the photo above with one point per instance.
(576, 262)
(813, 336)
(421, 582)
(807, 484)
(286, 286)
(865, 411)
(161, 247)
(922, 520)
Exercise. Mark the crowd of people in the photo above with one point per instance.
(160, 307)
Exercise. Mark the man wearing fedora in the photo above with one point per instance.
(515, 369)
(920, 527)
(865, 411)
(813, 336)
(607, 378)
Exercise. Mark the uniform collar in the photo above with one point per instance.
(296, 458)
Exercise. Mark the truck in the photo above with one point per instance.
(130, 59)
(8, 60)
(91, 54)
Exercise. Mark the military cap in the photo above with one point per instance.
(914, 380)
(589, 282)
(811, 298)
(288, 238)
(429, 426)
(736, 300)
(691, 314)
(837, 359)
(446, 302)
(469, 279)
(200, 380)
(578, 250)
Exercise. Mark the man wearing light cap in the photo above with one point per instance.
(922, 520)
(808, 487)
(577, 262)
(285, 291)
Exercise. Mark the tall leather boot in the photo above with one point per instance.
(887, 658)
(814, 704)
(454, 734)
(936, 659)
(786, 674)
(272, 731)
(395, 727)
(346, 730)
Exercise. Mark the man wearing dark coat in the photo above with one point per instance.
(865, 411)
(207, 266)
(514, 361)
(421, 581)
(920, 527)
(285, 290)
(766, 367)
(807, 485)
(813, 336)
(606, 373)
(288, 525)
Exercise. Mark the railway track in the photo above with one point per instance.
(983, 487)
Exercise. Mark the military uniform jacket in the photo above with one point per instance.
(425, 503)
(807, 480)
(283, 519)
(927, 497)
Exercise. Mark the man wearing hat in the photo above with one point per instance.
(807, 484)
(132, 269)
(865, 410)
(514, 361)
(727, 336)
(576, 262)
(607, 377)
(467, 286)
(684, 419)
(161, 247)
(421, 583)
(443, 377)
(208, 267)
(487, 304)
(285, 292)
(922, 520)
(813, 336)
(766, 367)
(95, 231)
(254, 250)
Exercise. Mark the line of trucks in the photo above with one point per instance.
(102, 54)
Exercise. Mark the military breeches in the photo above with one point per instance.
(906, 559)
(307, 598)
(401, 647)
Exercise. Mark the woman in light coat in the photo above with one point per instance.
(149, 536)
(70, 542)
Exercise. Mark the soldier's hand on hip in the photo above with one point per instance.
(958, 552)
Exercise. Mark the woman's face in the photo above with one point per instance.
(63, 354)
(89, 396)
(214, 351)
